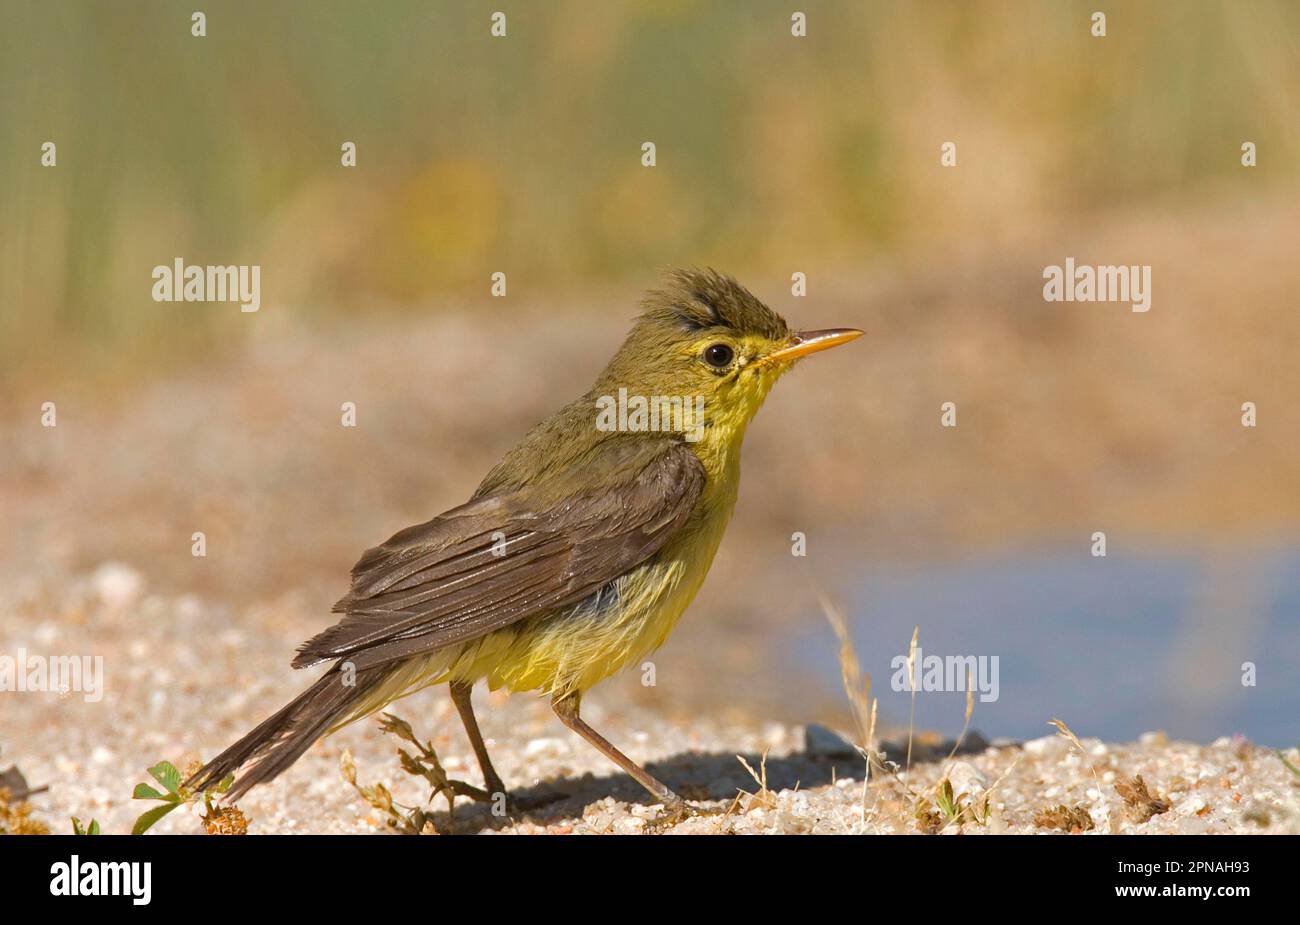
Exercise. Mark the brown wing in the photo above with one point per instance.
(447, 581)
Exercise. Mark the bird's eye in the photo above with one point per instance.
(718, 355)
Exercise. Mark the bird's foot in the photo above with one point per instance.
(503, 803)
(676, 812)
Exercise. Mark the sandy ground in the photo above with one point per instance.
(187, 688)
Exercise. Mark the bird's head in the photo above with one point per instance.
(703, 336)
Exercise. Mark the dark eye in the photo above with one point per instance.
(718, 355)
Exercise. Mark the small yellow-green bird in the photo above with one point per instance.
(578, 552)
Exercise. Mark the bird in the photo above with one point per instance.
(576, 555)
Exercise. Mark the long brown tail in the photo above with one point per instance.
(280, 740)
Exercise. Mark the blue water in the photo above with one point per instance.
(1113, 646)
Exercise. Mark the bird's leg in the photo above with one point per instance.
(566, 708)
(460, 695)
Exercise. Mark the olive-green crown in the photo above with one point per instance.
(695, 300)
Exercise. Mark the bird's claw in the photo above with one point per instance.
(676, 812)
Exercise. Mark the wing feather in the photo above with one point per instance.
(446, 581)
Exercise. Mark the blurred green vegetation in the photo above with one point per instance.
(522, 154)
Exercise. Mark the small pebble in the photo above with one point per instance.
(826, 743)
(1047, 745)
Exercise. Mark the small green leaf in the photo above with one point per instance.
(165, 773)
(226, 783)
(144, 823)
(79, 829)
(1289, 766)
(145, 792)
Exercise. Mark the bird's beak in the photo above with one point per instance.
(802, 343)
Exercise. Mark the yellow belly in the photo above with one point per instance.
(572, 651)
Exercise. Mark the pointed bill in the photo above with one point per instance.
(802, 343)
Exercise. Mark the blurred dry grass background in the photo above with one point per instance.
(522, 154)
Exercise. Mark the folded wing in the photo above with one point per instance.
(511, 555)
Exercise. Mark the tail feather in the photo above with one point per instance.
(280, 740)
